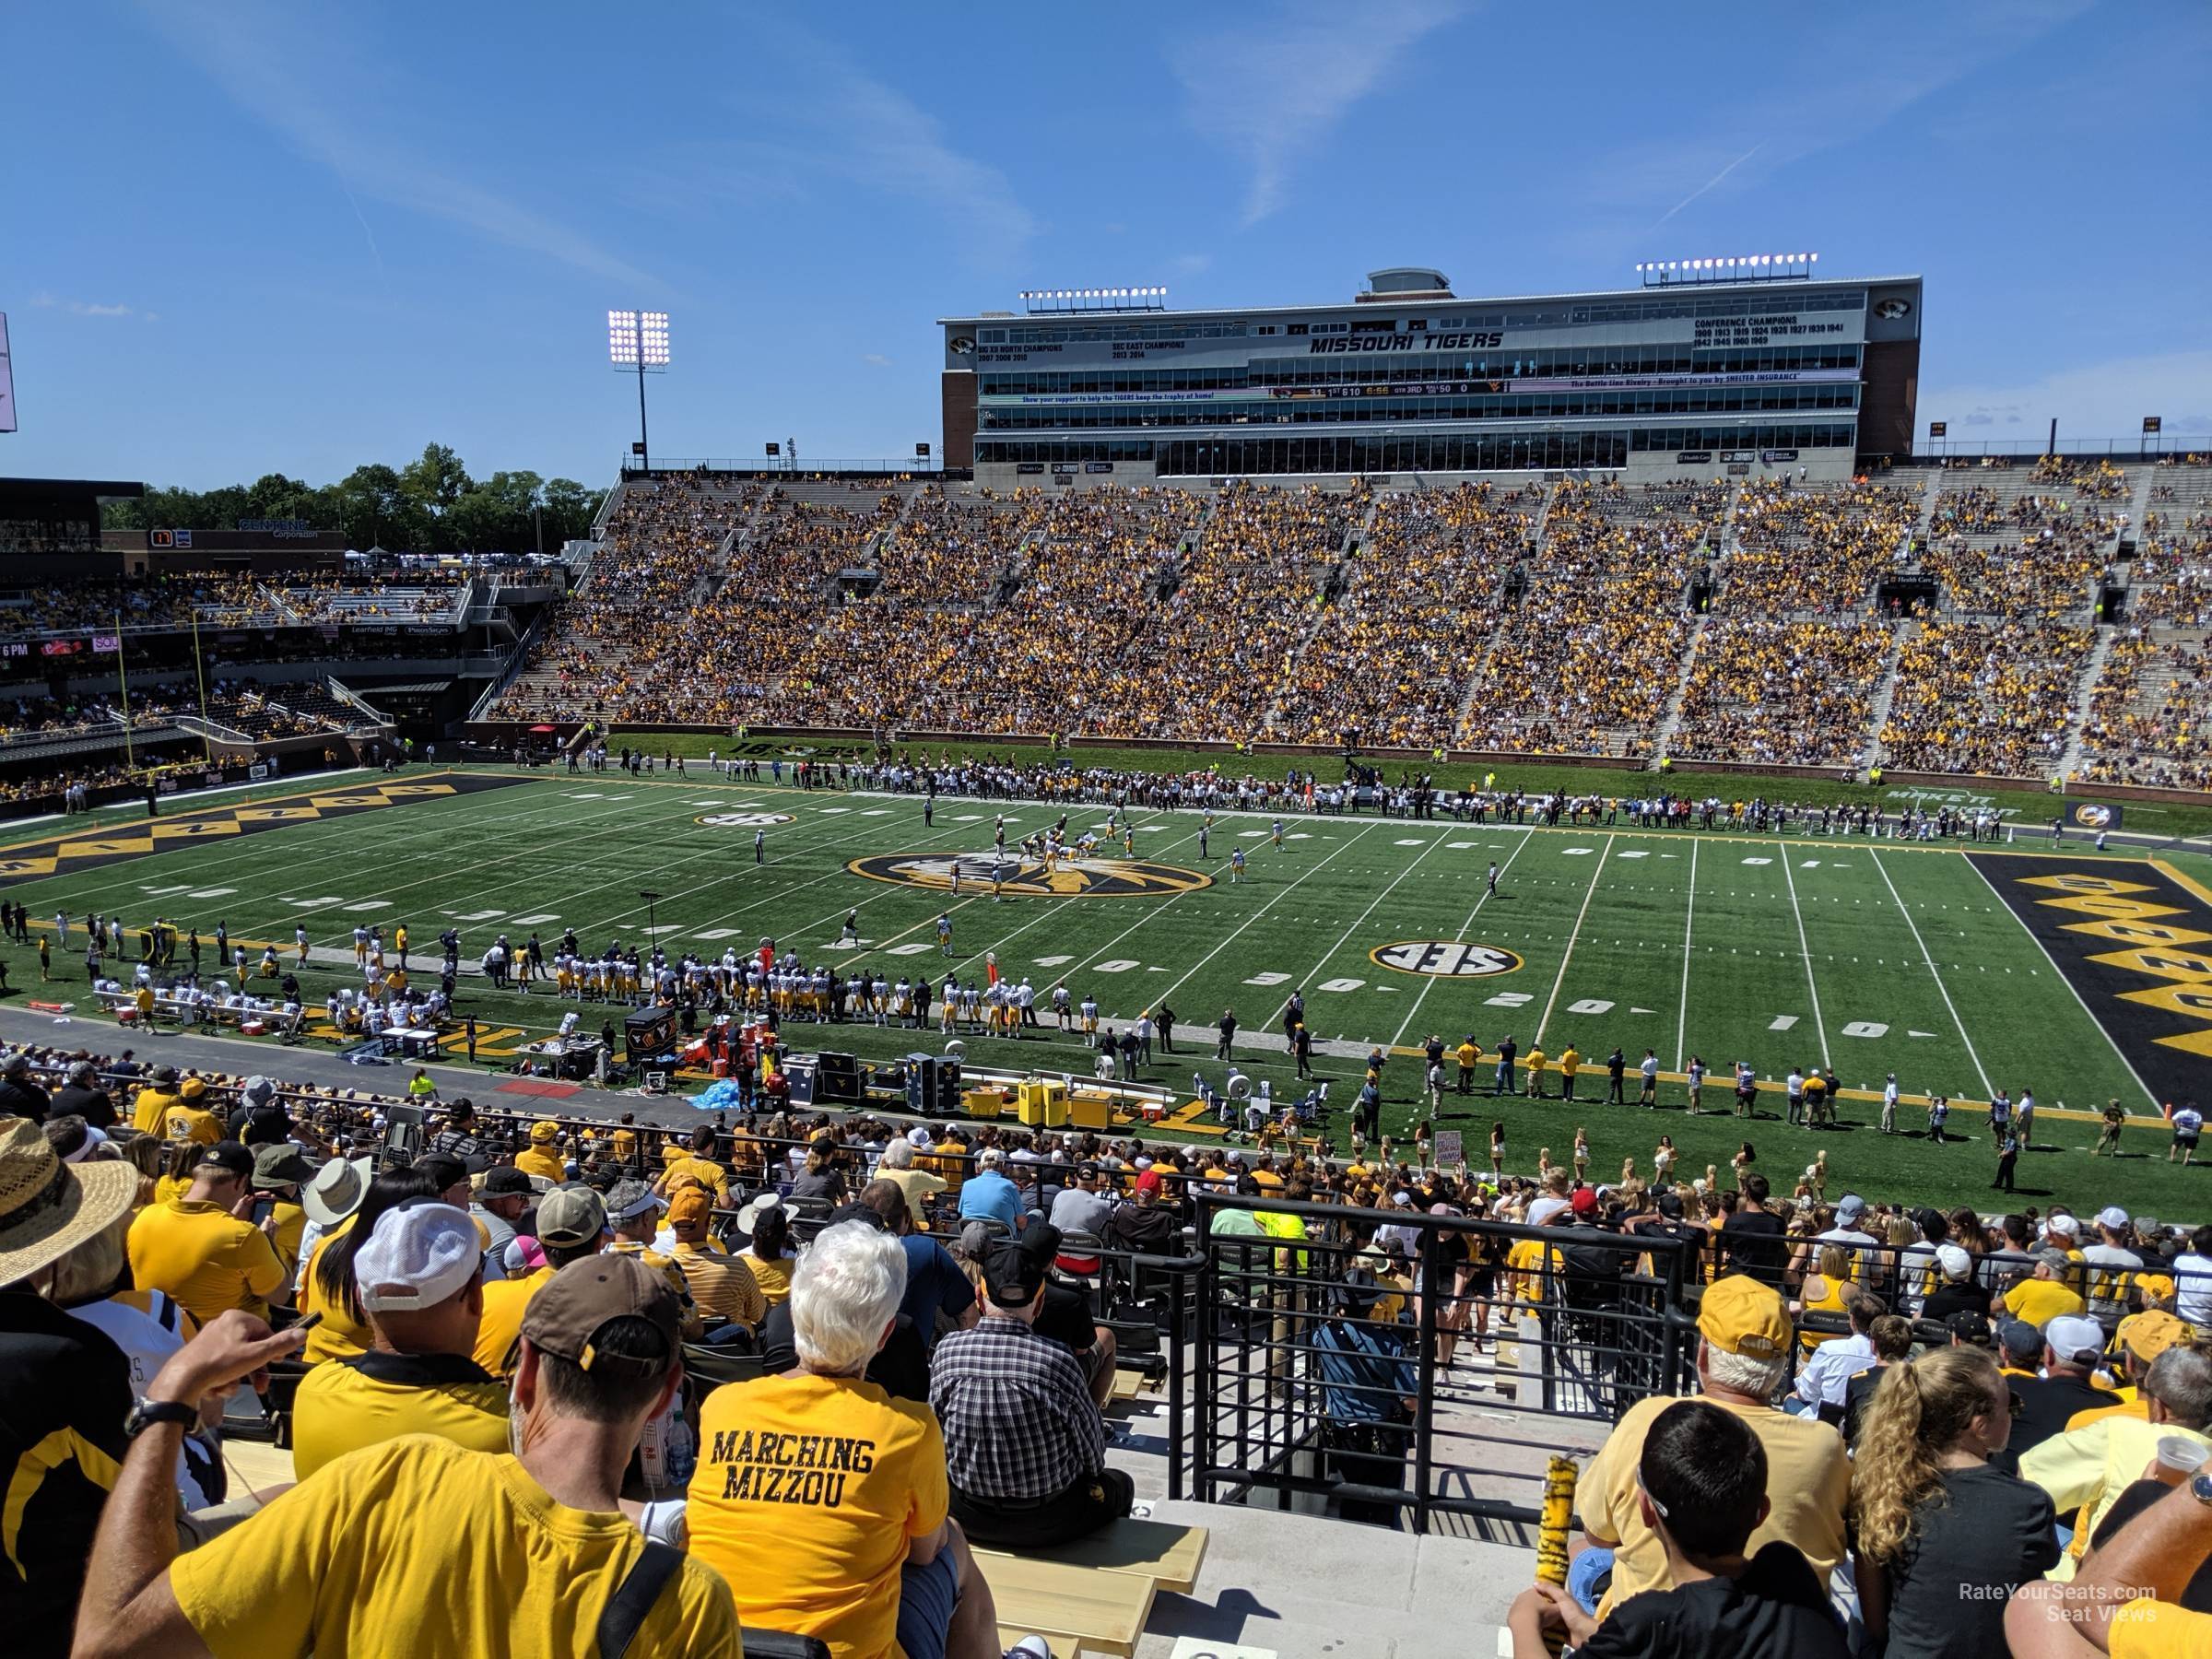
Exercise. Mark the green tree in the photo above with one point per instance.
(478, 522)
(368, 505)
(432, 503)
(436, 479)
(570, 508)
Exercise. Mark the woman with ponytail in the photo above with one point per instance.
(1941, 1538)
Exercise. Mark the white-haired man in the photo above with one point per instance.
(840, 1485)
(1743, 1356)
(919, 1185)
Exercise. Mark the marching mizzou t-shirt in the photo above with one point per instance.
(828, 1478)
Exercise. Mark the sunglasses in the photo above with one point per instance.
(1658, 1507)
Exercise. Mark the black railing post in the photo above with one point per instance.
(1424, 1414)
(1208, 1406)
(1671, 1379)
(1178, 1444)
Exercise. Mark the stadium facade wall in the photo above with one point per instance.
(1688, 378)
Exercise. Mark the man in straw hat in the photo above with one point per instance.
(64, 1388)
(526, 1554)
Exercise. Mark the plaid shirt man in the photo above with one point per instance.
(1020, 1422)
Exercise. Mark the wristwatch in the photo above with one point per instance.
(146, 1413)
(2200, 1487)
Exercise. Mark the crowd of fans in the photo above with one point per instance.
(1208, 661)
(668, 630)
(141, 602)
(1991, 699)
(1785, 693)
(2029, 554)
(424, 596)
(2150, 715)
(1587, 659)
(2171, 582)
(2098, 479)
(1818, 549)
(1541, 619)
(1394, 651)
(1910, 1428)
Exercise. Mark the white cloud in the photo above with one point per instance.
(278, 68)
(1191, 265)
(2097, 400)
(877, 357)
(834, 125)
(1272, 87)
(89, 308)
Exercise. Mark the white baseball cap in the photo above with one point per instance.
(1956, 1264)
(2071, 1336)
(2064, 1224)
(419, 1255)
(2111, 1215)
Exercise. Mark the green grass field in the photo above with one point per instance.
(1857, 955)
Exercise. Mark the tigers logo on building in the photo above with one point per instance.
(1444, 959)
(743, 820)
(1070, 878)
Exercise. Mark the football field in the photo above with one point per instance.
(2074, 975)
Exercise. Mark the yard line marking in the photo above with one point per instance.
(1930, 960)
(1820, 1025)
(1567, 955)
(1413, 865)
(1263, 909)
(1682, 1018)
(2117, 1053)
(1460, 937)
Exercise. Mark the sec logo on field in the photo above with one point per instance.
(743, 820)
(1444, 959)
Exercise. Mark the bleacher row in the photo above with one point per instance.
(1947, 620)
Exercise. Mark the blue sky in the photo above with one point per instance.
(241, 238)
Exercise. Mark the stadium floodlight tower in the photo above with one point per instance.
(639, 340)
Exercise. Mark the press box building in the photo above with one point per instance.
(1708, 368)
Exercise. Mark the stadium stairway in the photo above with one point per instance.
(1885, 692)
(2092, 670)
(1930, 488)
(1662, 739)
(1283, 1575)
(2138, 505)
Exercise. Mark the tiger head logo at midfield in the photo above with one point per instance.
(1074, 877)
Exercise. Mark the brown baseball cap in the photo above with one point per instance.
(569, 1311)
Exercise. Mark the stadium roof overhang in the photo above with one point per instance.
(1373, 301)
